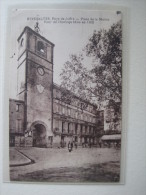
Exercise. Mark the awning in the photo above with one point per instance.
(111, 137)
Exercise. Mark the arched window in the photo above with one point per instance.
(40, 47)
(22, 42)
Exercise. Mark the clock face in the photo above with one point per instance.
(41, 71)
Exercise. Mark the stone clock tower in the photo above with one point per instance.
(35, 85)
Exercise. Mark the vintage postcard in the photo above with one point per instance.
(65, 95)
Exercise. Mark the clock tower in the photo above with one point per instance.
(35, 85)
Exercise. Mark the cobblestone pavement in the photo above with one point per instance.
(82, 164)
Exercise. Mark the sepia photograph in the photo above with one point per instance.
(65, 96)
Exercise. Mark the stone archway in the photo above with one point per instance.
(39, 134)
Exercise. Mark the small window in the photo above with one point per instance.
(17, 107)
(91, 119)
(57, 108)
(40, 47)
(69, 111)
(22, 42)
(50, 137)
(68, 127)
(63, 125)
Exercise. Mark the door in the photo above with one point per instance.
(12, 141)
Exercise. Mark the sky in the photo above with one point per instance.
(68, 38)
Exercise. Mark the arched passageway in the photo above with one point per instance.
(39, 135)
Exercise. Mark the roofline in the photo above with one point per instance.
(28, 28)
(57, 86)
(21, 101)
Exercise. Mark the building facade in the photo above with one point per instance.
(112, 117)
(16, 121)
(71, 122)
(40, 117)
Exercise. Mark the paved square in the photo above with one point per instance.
(59, 165)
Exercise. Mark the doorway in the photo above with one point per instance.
(39, 136)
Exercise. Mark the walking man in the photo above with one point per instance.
(69, 146)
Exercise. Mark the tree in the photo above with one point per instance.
(103, 81)
(76, 79)
(106, 49)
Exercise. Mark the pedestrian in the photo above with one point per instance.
(75, 144)
(60, 144)
(83, 145)
(69, 147)
(100, 143)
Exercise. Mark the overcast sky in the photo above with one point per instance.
(68, 38)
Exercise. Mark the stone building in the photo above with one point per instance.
(73, 122)
(40, 117)
(16, 121)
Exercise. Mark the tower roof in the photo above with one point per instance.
(34, 32)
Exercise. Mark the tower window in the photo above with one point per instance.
(17, 107)
(40, 47)
(22, 41)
